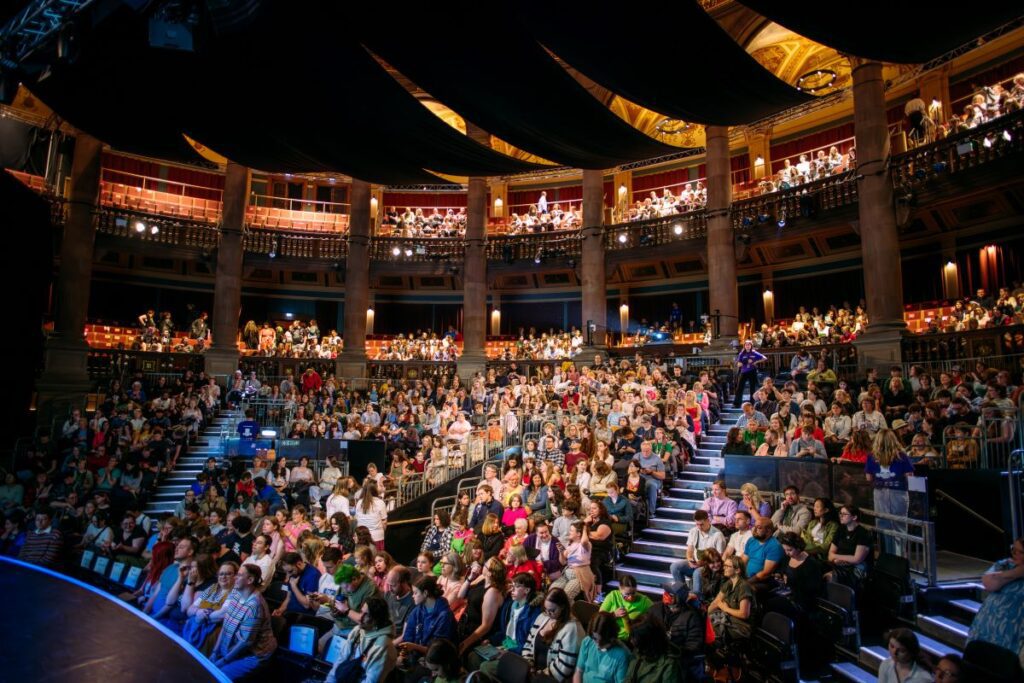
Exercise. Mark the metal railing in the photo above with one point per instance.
(270, 413)
(656, 231)
(913, 539)
(771, 211)
(467, 455)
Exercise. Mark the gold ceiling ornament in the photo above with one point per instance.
(805, 64)
(508, 149)
(449, 116)
(206, 152)
(658, 126)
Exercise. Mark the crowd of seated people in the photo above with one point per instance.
(982, 311)
(538, 218)
(415, 223)
(692, 197)
(809, 168)
(817, 415)
(836, 325)
(988, 103)
(497, 573)
(421, 346)
(550, 345)
(298, 340)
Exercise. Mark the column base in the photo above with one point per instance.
(470, 364)
(880, 345)
(66, 363)
(221, 363)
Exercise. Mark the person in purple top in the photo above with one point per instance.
(746, 365)
(887, 468)
(720, 507)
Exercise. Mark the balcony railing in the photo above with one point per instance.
(801, 201)
(656, 231)
(966, 150)
(416, 250)
(158, 229)
(511, 248)
(295, 245)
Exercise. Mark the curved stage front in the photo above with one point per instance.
(57, 628)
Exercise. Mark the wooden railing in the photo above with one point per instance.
(656, 232)
(802, 201)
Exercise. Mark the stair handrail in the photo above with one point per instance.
(939, 493)
(1015, 465)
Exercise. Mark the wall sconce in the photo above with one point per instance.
(499, 207)
(373, 206)
(495, 323)
(622, 189)
(769, 306)
(624, 319)
(369, 320)
(758, 167)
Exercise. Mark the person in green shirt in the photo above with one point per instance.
(603, 658)
(626, 604)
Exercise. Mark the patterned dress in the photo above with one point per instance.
(1001, 618)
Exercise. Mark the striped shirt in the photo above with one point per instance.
(247, 620)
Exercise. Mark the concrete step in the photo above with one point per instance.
(666, 535)
(669, 523)
(935, 648)
(690, 474)
(968, 608)
(674, 552)
(687, 494)
(699, 468)
(872, 656)
(944, 629)
(672, 504)
(656, 562)
(653, 592)
(647, 577)
(848, 671)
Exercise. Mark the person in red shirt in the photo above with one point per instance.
(311, 381)
(857, 449)
(574, 455)
(808, 423)
(518, 562)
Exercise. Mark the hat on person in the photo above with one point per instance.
(898, 424)
(675, 590)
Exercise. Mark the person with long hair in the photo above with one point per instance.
(199, 630)
(822, 529)
(429, 619)
(442, 661)
(904, 663)
(490, 536)
(453, 571)
(162, 557)
(578, 577)
(559, 633)
(707, 579)
(272, 528)
(484, 598)
(382, 564)
(887, 469)
(730, 611)
(857, 449)
(372, 512)
(341, 534)
(438, 539)
(735, 443)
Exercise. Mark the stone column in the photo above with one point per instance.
(879, 237)
(723, 292)
(474, 283)
(221, 359)
(592, 267)
(66, 377)
(352, 361)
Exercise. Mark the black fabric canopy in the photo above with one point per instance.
(902, 32)
(498, 77)
(682, 64)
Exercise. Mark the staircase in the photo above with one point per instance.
(663, 541)
(941, 631)
(172, 487)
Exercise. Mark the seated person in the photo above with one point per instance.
(626, 604)
(729, 613)
(701, 537)
(806, 446)
(515, 619)
(850, 551)
(548, 549)
(354, 589)
(557, 631)
(371, 641)
(303, 581)
(602, 657)
(657, 658)
(792, 515)
(762, 555)
(684, 625)
(431, 618)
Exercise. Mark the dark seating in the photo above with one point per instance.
(889, 590)
(837, 618)
(990, 663)
(584, 611)
(772, 655)
(275, 594)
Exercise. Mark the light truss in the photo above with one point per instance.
(33, 26)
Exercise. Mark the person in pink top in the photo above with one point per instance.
(514, 511)
(293, 529)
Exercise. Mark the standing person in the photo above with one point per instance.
(887, 468)
(372, 512)
(246, 639)
(746, 365)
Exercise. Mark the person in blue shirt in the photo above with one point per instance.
(746, 365)
(887, 468)
(430, 618)
(603, 658)
(248, 428)
(303, 582)
(268, 493)
(763, 555)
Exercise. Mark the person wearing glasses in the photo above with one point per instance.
(850, 549)
(730, 611)
(553, 643)
(1000, 620)
(947, 669)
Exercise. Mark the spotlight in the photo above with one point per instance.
(396, 251)
(763, 218)
(408, 252)
(645, 239)
(273, 248)
(782, 220)
(920, 173)
(747, 221)
(1007, 136)
(140, 227)
(987, 142)
(677, 229)
(154, 229)
(622, 238)
(939, 166)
